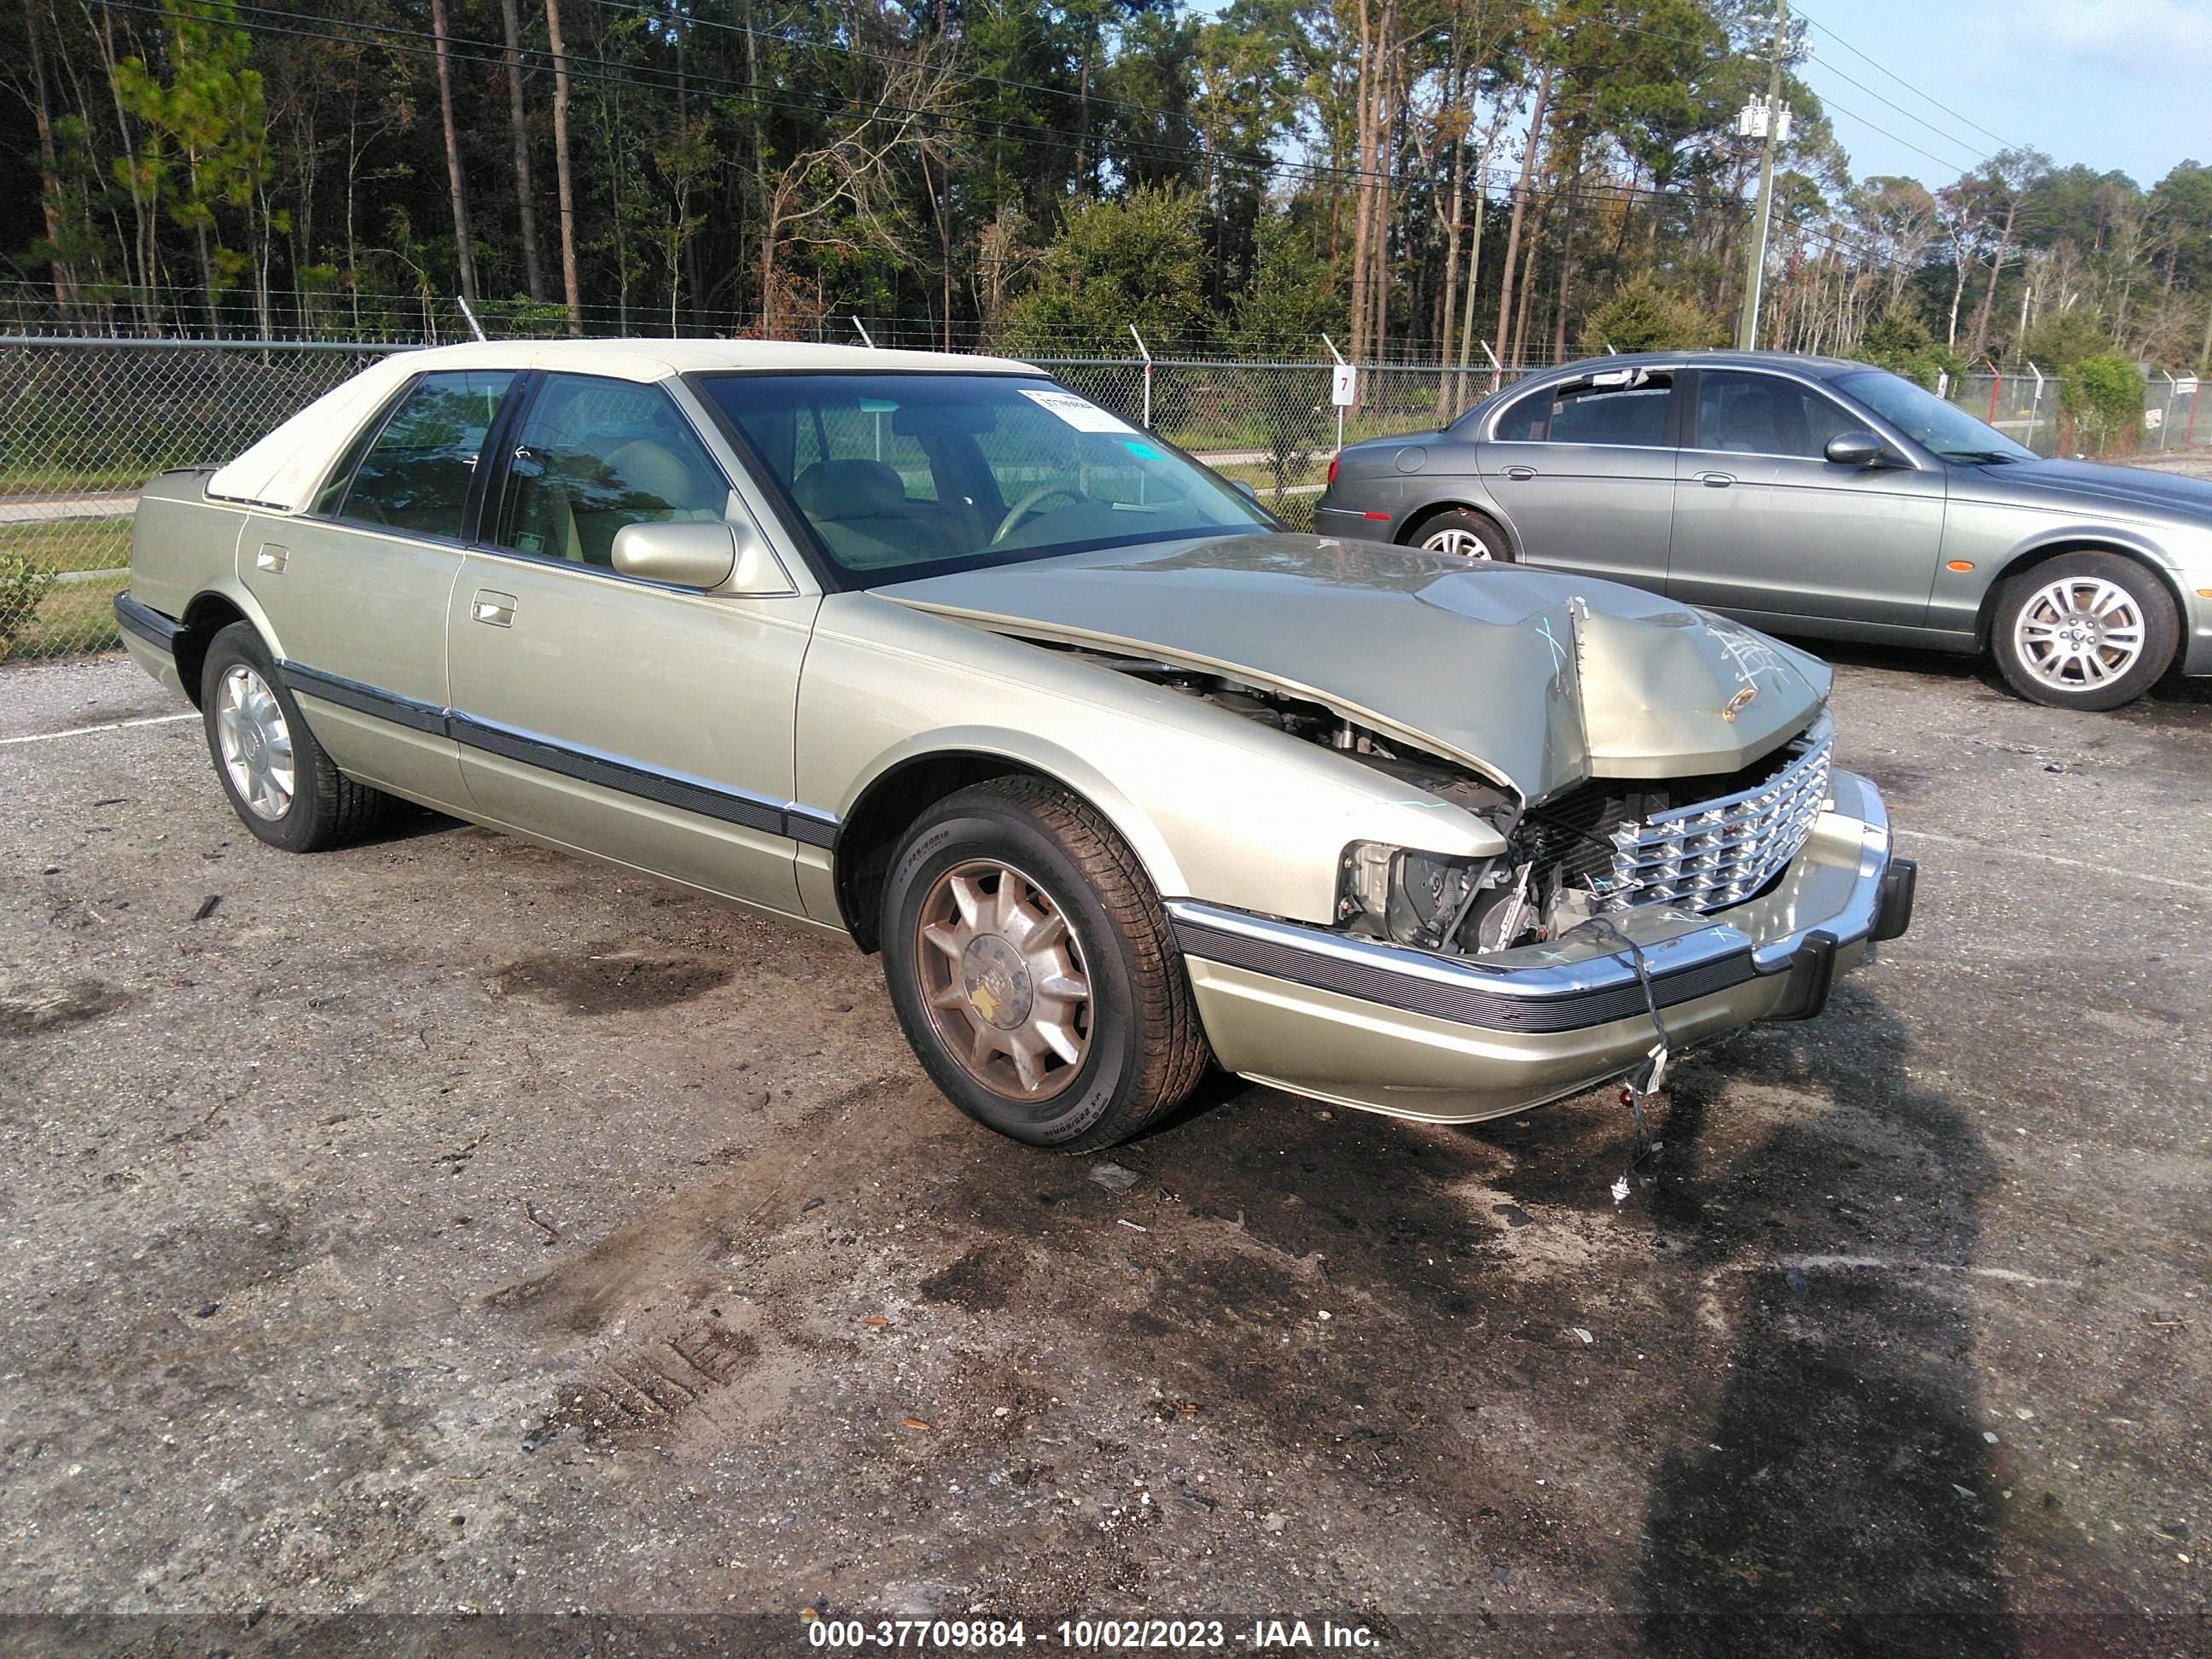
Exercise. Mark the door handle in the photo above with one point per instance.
(1716, 480)
(493, 609)
(272, 558)
(1520, 472)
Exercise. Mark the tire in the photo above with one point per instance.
(2084, 631)
(253, 725)
(1101, 1065)
(1463, 533)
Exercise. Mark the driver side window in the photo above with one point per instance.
(1749, 414)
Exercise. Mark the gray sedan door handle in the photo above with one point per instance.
(1520, 472)
(1716, 480)
(493, 609)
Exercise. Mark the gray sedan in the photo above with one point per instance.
(1811, 496)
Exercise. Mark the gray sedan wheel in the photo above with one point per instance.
(2085, 631)
(1464, 535)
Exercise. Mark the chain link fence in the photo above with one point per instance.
(84, 421)
(2026, 406)
(1271, 425)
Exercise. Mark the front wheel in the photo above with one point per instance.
(1464, 535)
(2085, 631)
(1032, 969)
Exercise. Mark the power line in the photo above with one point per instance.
(1844, 109)
(1955, 115)
(1097, 101)
(1948, 136)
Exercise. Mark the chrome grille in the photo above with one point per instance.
(1713, 854)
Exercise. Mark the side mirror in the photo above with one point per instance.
(1855, 449)
(702, 554)
(1245, 488)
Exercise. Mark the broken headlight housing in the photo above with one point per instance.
(1406, 896)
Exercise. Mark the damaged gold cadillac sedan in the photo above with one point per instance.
(1119, 776)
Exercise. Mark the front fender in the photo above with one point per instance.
(1028, 752)
(1986, 536)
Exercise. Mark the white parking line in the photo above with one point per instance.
(86, 731)
(2053, 858)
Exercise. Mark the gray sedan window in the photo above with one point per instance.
(1633, 417)
(1525, 423)
(1746, 414)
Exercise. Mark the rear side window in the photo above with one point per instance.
(1524, 423)
(596, 455)
(1631, 416)
(415, 475)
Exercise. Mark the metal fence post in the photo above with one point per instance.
(1145, 352)
(1339, 356)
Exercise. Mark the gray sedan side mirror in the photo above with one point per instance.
(700, 553)
(1855, 449)
(1245, 488)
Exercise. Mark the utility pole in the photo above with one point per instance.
(1771, 120)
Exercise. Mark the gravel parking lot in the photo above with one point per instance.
(444, 1226)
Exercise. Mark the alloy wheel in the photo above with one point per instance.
(1003, 977)
(2080, 633)
(1460, 543)
(255, 741)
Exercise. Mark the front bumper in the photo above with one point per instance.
(1387, 1029)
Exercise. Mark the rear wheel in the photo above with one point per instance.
(1464, 535)
(282, 784)
(2085, 631)
(1031, 966)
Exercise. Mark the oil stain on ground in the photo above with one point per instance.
(609, 982)
(28, 1010)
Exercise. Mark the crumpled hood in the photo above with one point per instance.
(1541, 679)
(2137, 488)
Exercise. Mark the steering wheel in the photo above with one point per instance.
(1022, 508)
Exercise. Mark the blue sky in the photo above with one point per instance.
(2111, 83)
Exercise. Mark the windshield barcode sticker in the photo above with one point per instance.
(1083, 415)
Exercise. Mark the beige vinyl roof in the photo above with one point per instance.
(281, 472)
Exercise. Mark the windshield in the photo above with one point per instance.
(1940, 427)
(905, 476)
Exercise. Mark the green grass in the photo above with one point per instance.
(70, 543)
(75, 615)
(78, 618)
(74, 480)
